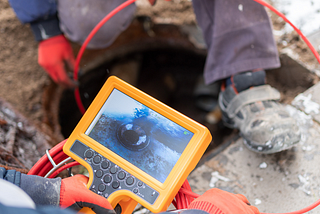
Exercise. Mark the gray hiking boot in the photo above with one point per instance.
(251, 106)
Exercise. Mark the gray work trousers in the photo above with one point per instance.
(79, 17)
(238, 35)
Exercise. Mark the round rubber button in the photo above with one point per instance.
(121, 175)
(99, 173)
(130, 180)
(135, 190)
(113, 170)
(88, 154)
(140, 184)
(107, 179)
(115, 184)
(101, 187)
(105, 164)
(97, 159)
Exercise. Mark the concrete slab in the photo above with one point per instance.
(281, 182)
(309, 102)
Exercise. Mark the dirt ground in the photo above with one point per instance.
(23, 81)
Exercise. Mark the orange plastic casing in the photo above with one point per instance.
(186, 163)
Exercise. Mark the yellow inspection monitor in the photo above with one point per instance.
(135, 147)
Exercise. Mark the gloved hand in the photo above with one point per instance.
(53, 55)
(216, 201)
(75, 195)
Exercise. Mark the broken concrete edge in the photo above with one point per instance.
(309, 102)
(290, 52)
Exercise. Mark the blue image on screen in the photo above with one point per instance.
(143, 137)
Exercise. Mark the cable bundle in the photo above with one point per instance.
(55, 161)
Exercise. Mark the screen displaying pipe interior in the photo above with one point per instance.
(143, 137)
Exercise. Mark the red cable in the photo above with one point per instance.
(39, 165)
(188, 192)
(187, 186)
(125, 4)
(67, 166)
(48, 166)
(314, 51)
(175, 204)
(178, 200)
(84, 45)
(185, 195)
(183, 200)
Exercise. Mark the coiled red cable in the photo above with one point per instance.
(44, 166)
(185, 195)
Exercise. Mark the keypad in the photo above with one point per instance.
(109, 177)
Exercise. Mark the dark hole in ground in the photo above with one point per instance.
(169, 75)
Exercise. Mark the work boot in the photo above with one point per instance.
(253, 107)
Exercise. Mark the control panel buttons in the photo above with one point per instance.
(130, 180)
(88, 154)
(97, 159)
(121, 175)
(101, 187)
(104, 164)
(113, 170)
(115, 184)
(107, 179)
(99, 173)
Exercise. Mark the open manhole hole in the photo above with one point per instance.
(167, 68)
(168, 74)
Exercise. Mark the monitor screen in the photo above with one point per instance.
(140, 135)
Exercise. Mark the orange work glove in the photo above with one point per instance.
(216, 201)
(53, 55)
(75, 195)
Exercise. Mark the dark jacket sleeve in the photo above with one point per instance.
(34, 186)
(43, 191)
(39, 210)
(10, 175)
(40, 14)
